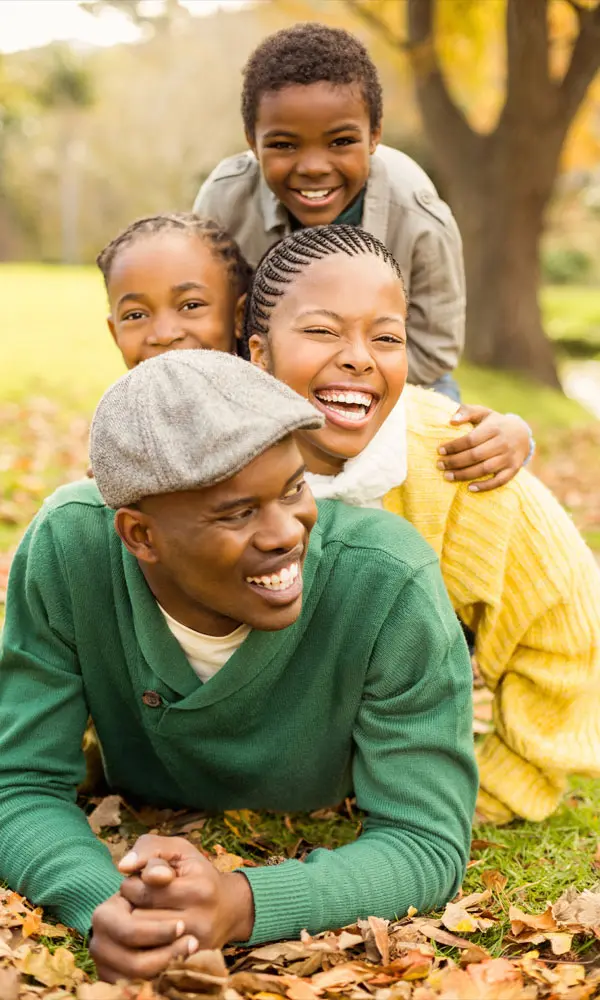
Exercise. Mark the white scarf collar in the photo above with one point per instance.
(372, 473)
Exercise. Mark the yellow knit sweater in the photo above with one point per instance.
(521, 577)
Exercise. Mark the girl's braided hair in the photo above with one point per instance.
(220, 242)
(291, 256)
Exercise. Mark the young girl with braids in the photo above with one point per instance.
(175, 281)
(327, 315)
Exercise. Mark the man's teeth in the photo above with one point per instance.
(316, 195)
(282, 580)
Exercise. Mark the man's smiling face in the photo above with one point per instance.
(231, 553)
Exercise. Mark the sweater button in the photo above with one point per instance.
(152, 699)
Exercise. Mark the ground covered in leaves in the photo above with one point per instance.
(526, 924)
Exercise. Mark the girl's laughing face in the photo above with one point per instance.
(337, 336)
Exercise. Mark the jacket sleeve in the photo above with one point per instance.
(414, 774)
(436, 309)
(47, 849)
(532, 596)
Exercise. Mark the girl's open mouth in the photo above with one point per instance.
(348, 408)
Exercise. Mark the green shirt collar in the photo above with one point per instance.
(166, 659)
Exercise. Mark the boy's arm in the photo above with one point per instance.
(414, 774)
(526, 583)
(47, 849)
(436, 310)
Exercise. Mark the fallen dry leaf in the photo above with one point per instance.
(493, 880)
(523, 923)
(578, 910)
(374, 931)
(56, 969)
(106, 814)
(9, 983)
(204, 972)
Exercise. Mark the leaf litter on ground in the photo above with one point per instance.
(422, 957)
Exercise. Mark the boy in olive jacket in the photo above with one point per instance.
(312, 110)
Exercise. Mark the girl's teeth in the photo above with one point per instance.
(356, 398)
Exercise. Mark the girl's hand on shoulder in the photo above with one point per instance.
(497, 446)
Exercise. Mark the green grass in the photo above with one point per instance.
(572, 318)
(54, 336)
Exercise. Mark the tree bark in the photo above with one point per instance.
(499, 185)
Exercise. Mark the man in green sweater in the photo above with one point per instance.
(227, 662)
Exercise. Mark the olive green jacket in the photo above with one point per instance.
(402, 208)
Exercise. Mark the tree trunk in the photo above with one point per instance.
(500, 184)
(499, 191)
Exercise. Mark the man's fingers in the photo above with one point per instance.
(170, 849)
(113, 961)
(157, 872)
(179, 895)
(133, 932)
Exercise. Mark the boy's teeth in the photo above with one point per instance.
(277, 581)
(315, 195)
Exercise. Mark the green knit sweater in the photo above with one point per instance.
(368, 692)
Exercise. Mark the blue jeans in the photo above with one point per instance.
(447, 385)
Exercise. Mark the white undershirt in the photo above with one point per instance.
(206, 654)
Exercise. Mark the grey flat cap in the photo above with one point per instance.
(188, 419)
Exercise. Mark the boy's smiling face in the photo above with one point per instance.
(314, 143)
(169, 291)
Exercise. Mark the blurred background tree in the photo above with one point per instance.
(499, 176)
(496, 99)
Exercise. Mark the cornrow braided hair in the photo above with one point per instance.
(220, 242)
(291, 256)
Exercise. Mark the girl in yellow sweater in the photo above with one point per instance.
(326, 314)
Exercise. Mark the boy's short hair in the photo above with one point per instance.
(304, 54)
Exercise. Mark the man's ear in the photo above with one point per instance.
(238, 319)
(260, 355)
(111, 326)
(375, 139)
(135, 531)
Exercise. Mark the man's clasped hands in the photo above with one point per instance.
(173, 903)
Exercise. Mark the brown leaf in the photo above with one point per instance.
(441, 936)
(9, 984)
(525, 922)
(579, 910)
(204, 972)
(596, 858)
(341, 975)
(301, 990)
(281, 952)
(560, 943)
(107, 813)
(51, 970)
(254, 982)
(374, 931)
(456, 918)
(475, 899)
(493, 880)
(100, 991)
(32, 923)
